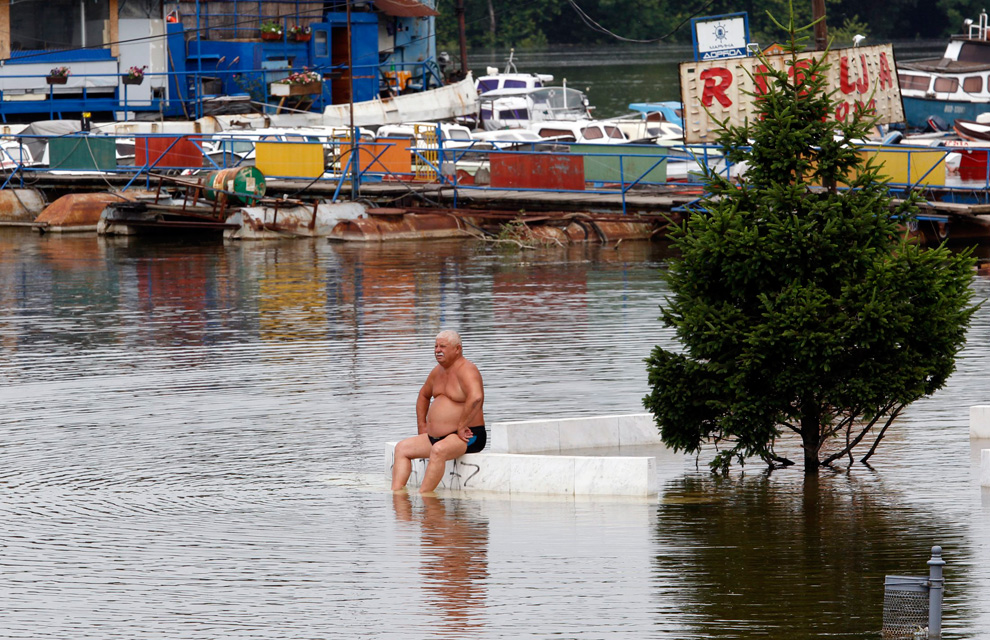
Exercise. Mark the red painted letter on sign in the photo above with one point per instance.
(716, 82)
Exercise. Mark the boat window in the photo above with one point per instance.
(613, 132)
(513, 114)
(458, 134)
(592, 133)
(486, 114)
(548, 132)
(946, 85)
(514, 84)
(974, 52)
(240, 146)
(321, 43)
(913, 82)
(487, 85)
(973, 84)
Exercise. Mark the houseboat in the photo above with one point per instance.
(145, 59)
(953, 87)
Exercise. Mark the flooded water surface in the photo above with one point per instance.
(192, 446)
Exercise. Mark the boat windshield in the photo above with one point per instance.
(560, 101)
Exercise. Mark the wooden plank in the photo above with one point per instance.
(114, 28)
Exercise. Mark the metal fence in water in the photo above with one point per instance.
(912, 605)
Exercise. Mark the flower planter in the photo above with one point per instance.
(302, 37)
(132, 79)
(56, 79)
(270, 35)
(308, 89)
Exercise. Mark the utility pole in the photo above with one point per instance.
(462, 37)
(821, 32)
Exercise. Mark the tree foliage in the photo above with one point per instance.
(522, 23)
(801, 304)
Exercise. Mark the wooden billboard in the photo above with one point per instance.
(719, 89)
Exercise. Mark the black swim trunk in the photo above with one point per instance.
(475, 444)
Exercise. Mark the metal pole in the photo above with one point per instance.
(821, 32)
(350, 99)
(936, 584)
(462, 37)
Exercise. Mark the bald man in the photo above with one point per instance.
(449, 416)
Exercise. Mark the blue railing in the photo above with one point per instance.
(621, 170)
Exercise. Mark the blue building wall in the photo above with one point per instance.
(203, 68)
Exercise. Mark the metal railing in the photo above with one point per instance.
(463, 166)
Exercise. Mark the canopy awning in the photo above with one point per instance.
(405, 8)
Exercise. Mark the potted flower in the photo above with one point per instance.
(300, 83)
(134, 75)
(300, 33)
(271, 30)
(58, 75)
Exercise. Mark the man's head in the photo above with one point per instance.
(447, 348)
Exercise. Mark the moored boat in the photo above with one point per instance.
(953, 87)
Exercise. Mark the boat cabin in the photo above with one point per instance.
(495, 81)
(953, 87)
(520, 108)
(584, 132)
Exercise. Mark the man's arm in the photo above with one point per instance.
(423, 404)
(474, 391)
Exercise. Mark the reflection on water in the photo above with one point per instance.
(777, 553)
(192, 447)
(454, 561)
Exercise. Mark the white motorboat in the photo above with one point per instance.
(521, 108)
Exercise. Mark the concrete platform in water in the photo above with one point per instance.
(553, 456)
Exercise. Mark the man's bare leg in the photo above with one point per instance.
(405, 452)
(447, 449)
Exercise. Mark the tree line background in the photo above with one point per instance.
(538, 23)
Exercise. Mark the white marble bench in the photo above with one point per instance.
(510, 464)
(979, 422)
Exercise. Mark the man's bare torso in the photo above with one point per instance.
(448, 400)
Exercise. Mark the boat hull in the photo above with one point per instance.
(918, 110)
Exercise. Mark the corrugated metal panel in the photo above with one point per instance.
(615, 163)
(298, 159)
(160, 152)
(391, 156)
(537, 171)
(83, 153)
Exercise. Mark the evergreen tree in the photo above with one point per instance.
(801, 304)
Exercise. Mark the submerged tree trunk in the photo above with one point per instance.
(810, 436)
